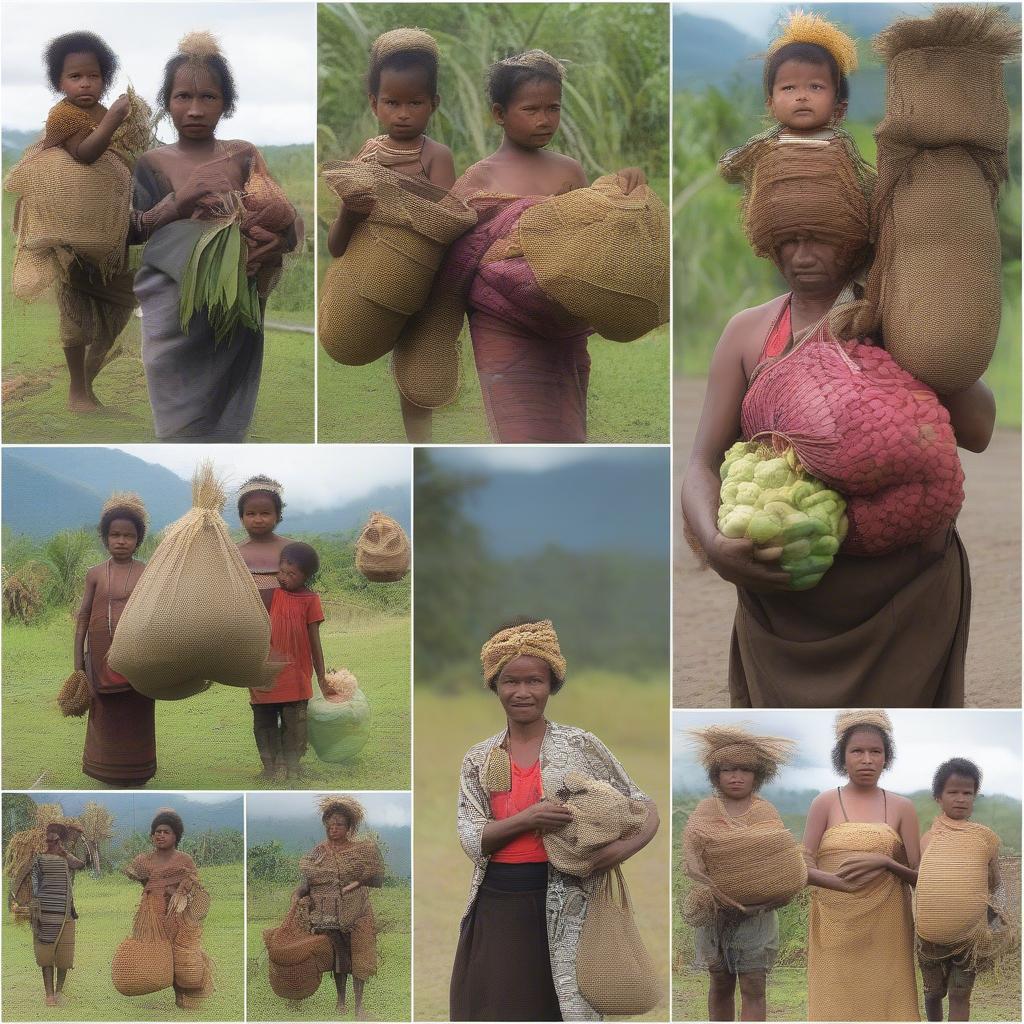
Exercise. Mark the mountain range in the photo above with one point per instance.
(135, 811)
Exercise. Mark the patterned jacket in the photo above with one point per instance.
(564, 749)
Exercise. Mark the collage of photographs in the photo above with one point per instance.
(511, 511)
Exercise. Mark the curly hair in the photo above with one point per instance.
(172, 819)
(59, 49)
(302, 555)
(955, 766)
(121, 512)
(347, 806)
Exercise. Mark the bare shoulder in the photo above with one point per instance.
(824, 801)
(434, 150)
(477, 177)
(902, 803)
(754, 316)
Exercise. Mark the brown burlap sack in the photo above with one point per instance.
(141, 967)
(601, 815)
(195, 614)
(385, 273)
(294, 981)
(382, 551)
(189, 966)
(74, 696)
(290, 943)
(614, 971)
(602, 255)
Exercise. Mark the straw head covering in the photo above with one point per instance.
(813, 29)
(402, 40)
(535, 60)
(199, 46)
(347, 806)
(127, 500)
(536, 639)
(260, 483)
(718, 745)
(863, 716)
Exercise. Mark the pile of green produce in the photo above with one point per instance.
(791, 516)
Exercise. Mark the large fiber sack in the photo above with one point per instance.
(602, 255)
(601, 815)
(382, 551)
(338, 730)
(869, 430)
(385, 273)
(195, 614)
(189, 966)
(614, 971)
(141, 967)
(294, 981)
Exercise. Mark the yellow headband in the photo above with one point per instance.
(535, 639)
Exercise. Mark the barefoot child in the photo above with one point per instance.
(279, 714)
(736, 838)
(120, 738)
(956, 886)
(72, 216)
(402, 86)
(259, 508)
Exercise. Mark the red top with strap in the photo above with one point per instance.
(527, 790)
(778, 337)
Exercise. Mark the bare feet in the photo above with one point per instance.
(340, 1006)
(51, 1000)
(82, 401)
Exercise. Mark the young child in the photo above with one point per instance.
(120, 739)
(260, 508)
(279, 714)
(72, 218)
(955, 851)
(402, 86)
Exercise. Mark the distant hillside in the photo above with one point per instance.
(15, 142)
(51, 489)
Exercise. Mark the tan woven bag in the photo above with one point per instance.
(74, 696)
(382, 551)
(614, 971)
(144, 962)
(195, 614)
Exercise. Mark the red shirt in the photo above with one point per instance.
(291, 612)
(527, 847)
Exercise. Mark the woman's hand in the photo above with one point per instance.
(545, 816)
(631, 178)
(734, 561)
(861, 869)
(753, 909)
(359, 204)
(209, 180)
(611, 855)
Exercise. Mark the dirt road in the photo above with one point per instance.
(989, 525)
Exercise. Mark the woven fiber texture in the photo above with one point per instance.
(292, 943)
(816, 191)
(860, 950)
(144, 962)
(535, 639)
(600, 815)
(614, 971)
(862, 716)
(719, 745)
(195, 614)
(402, 40)
(294, 981)
(69, 210)
(385, 274)
(951, 900)
(74, 696)
(383, 553)
(328, 871)
(869, 430)
(752, 857)
(602, 255)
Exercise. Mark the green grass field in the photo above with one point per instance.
(628, 398)
(629, 716)
(105, 909)
(205, 742)
(386, 995)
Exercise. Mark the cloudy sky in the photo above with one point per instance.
(382, 809)
(314, 476)
(535, 459)
(271, 49)
(924, 739)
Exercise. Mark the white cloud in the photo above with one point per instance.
(382, 809)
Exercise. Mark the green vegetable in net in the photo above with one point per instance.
(338, 730)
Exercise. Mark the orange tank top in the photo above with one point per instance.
(527, 847)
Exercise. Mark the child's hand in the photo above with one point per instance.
(120, 108)
(631, 178)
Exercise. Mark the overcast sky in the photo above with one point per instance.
(314, 476)
(534, 459)
(754, 19)
(924, 739)
(271, 49)
(382, 809)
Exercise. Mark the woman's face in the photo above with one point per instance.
(865, 756)
(197, 103)
(52, 839)
(523, 687)
(812, 267)
(336, 827)
(259, 515)
(163, 837)
(736, 783)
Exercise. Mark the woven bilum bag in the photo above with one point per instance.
(934, 287)
(144, 962)
(752, 859)
(385, 273)
(602, 255)
(74, 696)
(382, 551)
(195, 614)
(601, 815)
(68, 210)
(614, 972)
(869, 430)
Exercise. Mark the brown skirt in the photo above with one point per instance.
(120, 739)
(59, 954)
(876, 632)
(502, 966)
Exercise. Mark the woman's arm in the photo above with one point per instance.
(972, 414)
(718, 430)
(620, 850)
(301, 890)
(317, 653)
(82, 620)
(814, 829)
(544, 816)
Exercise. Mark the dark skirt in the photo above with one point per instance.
(502, 966)
(120, 739)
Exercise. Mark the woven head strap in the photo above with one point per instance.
(535, 639)
(812, 28)
(863, 716)
(260, 483)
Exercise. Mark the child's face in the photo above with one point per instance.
(290, 576)
(163, 837)
(259, 515)
(81, 80)
(734, 782)
(403, 103)
(804, 96)
(957, 797)
(196, 103)
(532, 116)
(865, 757)
(122, 538)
